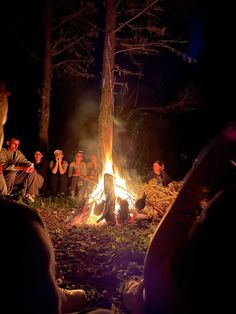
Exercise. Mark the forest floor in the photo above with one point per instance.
(100, 258)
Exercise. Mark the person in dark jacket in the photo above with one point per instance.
(42, 167)
(158, 172)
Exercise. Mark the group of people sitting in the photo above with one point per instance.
(43, 177)
(189, 264)
(29, 264)
(55, 177)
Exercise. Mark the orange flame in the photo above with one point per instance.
(121, 192)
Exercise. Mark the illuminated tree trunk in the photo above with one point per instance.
(105, 135)
(47, 78)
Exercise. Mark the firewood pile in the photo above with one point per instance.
(158, 197)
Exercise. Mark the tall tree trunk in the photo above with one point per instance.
(47, 77)
(105, 132)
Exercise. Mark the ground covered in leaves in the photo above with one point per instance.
(100, 258)
(97, 258)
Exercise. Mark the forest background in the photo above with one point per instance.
(182, 98)
(169, 111)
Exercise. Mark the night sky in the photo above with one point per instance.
(75, 103)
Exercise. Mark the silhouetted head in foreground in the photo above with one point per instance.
(27, 258)
(206, 267)
(189, 263)
(4, 93)
(28, 262)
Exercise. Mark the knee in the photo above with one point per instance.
(33, 174)
(72, 300)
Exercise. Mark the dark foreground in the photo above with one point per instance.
(97, 258)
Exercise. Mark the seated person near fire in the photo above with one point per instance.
(77, 173)
(159, 174)
(29, 264)
(58, 174)
(92, 169)
(188, 266)
(17, 170)
(42, 167)
(3, 186)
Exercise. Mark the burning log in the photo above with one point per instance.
(123, 213)
(98, 209)
(141, 202)
(109, 206)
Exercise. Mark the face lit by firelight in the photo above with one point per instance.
(13, 144)
(157, 168)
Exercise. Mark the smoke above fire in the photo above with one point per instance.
(83, 127)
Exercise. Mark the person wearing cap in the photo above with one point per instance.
(58, 173)
(77, 173)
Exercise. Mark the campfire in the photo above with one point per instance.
(109, 202)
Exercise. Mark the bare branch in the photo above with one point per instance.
(126, 72)
(188, 101)
(73, 67)
(67, 19)
(136, 16)
(72, 42)
(31, 53)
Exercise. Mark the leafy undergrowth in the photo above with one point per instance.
(97, 258)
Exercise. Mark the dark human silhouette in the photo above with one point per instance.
(189, 264)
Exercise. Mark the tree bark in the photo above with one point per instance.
(105, 131)
(47, 78)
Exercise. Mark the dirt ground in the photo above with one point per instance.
(98, 258)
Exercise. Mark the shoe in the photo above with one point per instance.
(134, 295)
(7, 197)
(29, 198)
(15, 196)
(72, 300)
